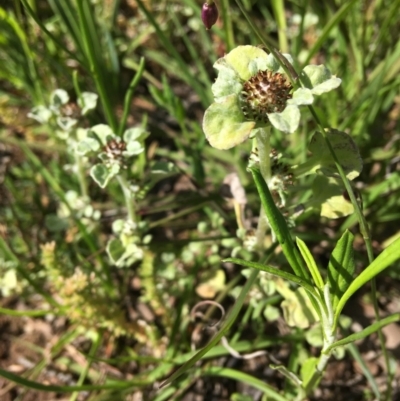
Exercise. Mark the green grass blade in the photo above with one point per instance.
(93, 50)
(227, 25)
(187, 75)
(269, 391)
(340, 14)
(66, 13)
(31, 77)
(279, 226)
(310, 262)
(129, 95)
(69, 389)
(341, 267)
(367, 373)
(307, 285)
(366, 332)
(30, 313)
(278, 7)
(43, 28)
(383, 261)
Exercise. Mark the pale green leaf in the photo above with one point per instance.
(118, 226)
(103, 132)
(228, 81)
(210, 286)
(101, 174)
(346, 151)
(66, 123)
(133, 148)
(41, 114)
(240, 58)
(310, 262)
(224, 124)
(314, 336)
(271, 313)
(315, 75)
(58, 98)
(115, 250)
(87, 102)
(302, 96)
(297, 308)
(135, 134)
(326, 86)
(287, 121)
(87, 145)
(319, 79)
(308, 369)
(336, 207)
(328, 197)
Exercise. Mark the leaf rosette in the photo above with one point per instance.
(252, 91)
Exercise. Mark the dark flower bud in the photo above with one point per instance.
(209, 14)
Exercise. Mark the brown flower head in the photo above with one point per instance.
(264, 93)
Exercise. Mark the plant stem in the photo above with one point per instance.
(279, 13)
(264, 148)
(362, 222)
(81, 176)
(129, 95)
(229, 40)
(129, 201)
(364, 229)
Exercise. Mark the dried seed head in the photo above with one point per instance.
(265, 92)
(281, 175)
(71, 110)
(209, 14)
(114, 150)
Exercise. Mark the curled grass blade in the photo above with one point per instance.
(224, 329)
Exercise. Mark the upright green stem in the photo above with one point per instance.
(364, 229)
(329, 338)
(278, 7)
(229, 40)
(129, 201)
(81, 176)
(129, 95)
(264, 148)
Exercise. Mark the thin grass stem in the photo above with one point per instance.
(129, 95)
